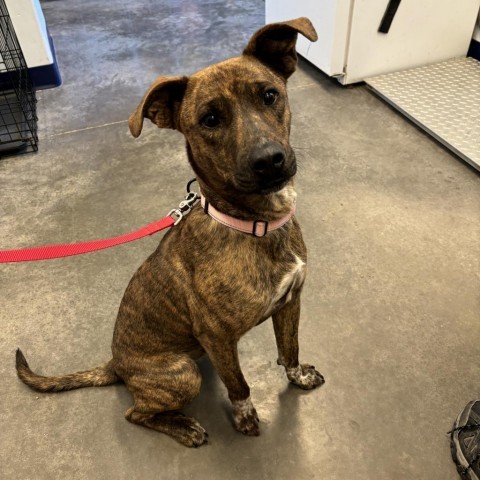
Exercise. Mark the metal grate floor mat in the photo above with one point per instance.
(443, 99)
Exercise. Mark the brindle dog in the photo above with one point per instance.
(206, 284)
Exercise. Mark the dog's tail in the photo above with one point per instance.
(95, 377)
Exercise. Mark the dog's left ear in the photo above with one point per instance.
(274, 44)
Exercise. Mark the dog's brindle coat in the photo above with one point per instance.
(206, 284)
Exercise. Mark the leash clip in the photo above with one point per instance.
(184, 207)
(178, 214)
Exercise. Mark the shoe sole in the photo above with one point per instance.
(457, 454)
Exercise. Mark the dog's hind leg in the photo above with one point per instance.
(161, 386)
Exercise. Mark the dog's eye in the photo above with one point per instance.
(210, 120)
(270, 97)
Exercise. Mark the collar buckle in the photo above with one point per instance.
(257, 223)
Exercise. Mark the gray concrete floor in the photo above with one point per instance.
(390, 308)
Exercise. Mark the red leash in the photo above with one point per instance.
(69, 249)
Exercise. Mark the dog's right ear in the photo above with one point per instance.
(161, 104)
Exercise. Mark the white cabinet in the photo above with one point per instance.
(350, 47)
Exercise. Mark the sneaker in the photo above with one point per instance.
(465, 441)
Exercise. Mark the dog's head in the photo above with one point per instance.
(234, 114)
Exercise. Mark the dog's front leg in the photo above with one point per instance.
(285, 324)
(223, 354)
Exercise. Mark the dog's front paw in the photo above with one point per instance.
(305, 376)
(245, 417)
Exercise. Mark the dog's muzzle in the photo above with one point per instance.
(271, 167)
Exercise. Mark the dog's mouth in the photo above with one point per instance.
(264, 186)
(273, 185)
(277, 183)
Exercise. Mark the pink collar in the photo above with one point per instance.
(257, 228)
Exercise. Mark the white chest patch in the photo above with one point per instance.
(291, 280)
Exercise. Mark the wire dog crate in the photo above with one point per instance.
(18, 119)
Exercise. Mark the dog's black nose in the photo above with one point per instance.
(268, 159)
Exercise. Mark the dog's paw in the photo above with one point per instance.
(305, 376)
(191, 433)
(245, 417)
